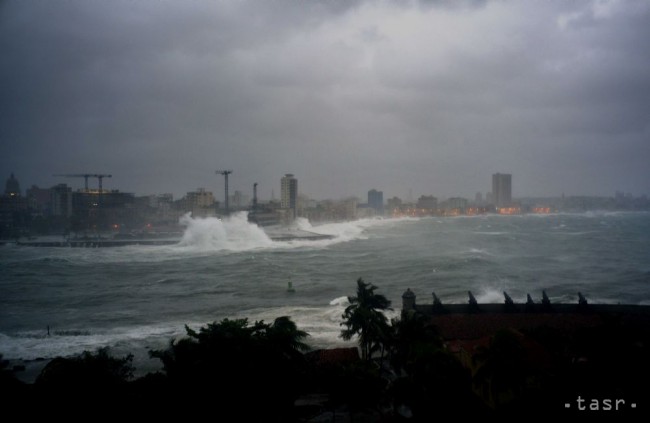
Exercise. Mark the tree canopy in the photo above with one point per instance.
(364, 317)
(236, 364)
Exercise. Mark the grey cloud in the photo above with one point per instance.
(347, 95)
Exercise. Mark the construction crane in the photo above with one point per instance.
(99, 176)
(225, 174)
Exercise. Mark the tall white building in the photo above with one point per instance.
(289, 193)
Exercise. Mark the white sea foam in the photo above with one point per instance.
(205, 236)
(30, 345)
(344, 301)
(479, 251)
(322, 323)
(489, 296)
(345, 231)
(234, 233)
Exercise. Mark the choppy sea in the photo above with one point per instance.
(136, 298)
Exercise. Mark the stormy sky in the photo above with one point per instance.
(412, 96)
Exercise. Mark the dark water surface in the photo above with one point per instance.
(135, 298)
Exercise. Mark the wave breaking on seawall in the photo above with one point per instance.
(236, 233)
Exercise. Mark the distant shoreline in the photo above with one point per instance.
(299, 235)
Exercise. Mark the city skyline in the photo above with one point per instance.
(60, 209)
(425, 96)
(491, 196)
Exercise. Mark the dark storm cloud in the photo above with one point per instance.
(428, 96)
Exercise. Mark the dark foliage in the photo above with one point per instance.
(236, 371)
(10, 387)
(249, 371)
(412, 337)
(91, 381)
(432, 381)
(436, 385)
(88, 372)
(364, 318)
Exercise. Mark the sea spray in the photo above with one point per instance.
(322, 323)
(35, 344)
(349, 230)
(236, 233)
(233, 233)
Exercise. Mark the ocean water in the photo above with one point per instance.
(136, 298)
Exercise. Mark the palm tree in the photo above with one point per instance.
(364, 317)
(284, 333)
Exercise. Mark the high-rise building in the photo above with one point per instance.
(289, 193)
(14, 210)
(456, 203)
(502, 189)
(12, 187)
(199, 199)
(61, 199)
(376, 200)
(39, 199)
(428, 202)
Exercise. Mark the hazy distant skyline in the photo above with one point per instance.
(431, 97)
